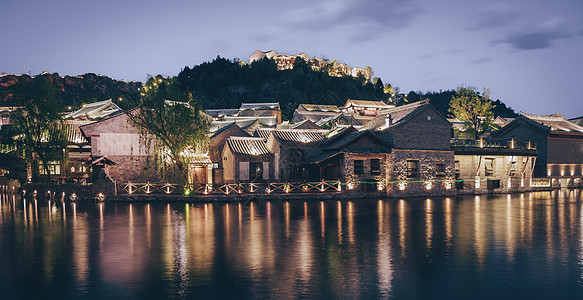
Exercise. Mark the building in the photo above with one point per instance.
(289, 147)
(268, 114)
(247, 159)
(421, 161)
(314, 112)
(491, 166)
(364, 107)
(358, 158)
(334, 68)
(217, 144)
(118, 152)
(559, 144)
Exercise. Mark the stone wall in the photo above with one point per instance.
(428, 183)
(354, 181)
(133, 168)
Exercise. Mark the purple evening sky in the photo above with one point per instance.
(529, 53)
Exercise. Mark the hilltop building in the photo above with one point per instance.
(335, 68)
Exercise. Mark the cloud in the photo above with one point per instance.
(363, 15)
(539, 37)
(482, 60)
(495, 16)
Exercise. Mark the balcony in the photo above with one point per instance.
(481, 146)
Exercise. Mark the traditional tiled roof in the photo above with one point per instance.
(305, 124)
(225, 128)
(74, 135)
(265, 120)
(293, 135)
(344, 142)
(343, 119)
(94, 111)
(555, 122)
(258, 106)
(219, 113)
(367, 103)
(397, 115)
(248, 146)
(318, 108)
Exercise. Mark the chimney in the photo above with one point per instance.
(388, 121)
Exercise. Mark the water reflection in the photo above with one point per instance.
(306, 249)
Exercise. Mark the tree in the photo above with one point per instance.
(170, 115)
(475, 110)
(38, 129)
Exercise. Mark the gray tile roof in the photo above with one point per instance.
(555, 122)
(248, 146)
(258, 106)
(304, 136)
(94, 111)
(398, 115)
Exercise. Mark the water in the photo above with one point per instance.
(488, 247)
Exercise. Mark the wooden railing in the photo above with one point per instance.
(541, 182)
(131, 188)
(481, 143)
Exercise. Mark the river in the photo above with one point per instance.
(467, 247)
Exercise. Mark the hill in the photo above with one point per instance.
(72, 90)
(224, 83)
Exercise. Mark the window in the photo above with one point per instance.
(53, 166)
(375, 166)
(457, 169)
(215, 165)
(359, 167)
(255, 171)
(512, 168)
(489, 167)
(440, 170)
(412, 168)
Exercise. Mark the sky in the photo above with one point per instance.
(528, 53)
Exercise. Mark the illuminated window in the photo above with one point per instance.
(255, 171)
(375, 166)
(53, 166)
(457, 169)
(359, 167)
(440, 170)
(489, 165)
(412, 168)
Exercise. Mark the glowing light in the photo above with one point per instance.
(350, 185)
(187, 192)
(477, 182)
(268, 190)
(509, 183)
(448, 184)
(521, 182)
(402, 185)
(380, 186)
(428, 185)
(100, 197)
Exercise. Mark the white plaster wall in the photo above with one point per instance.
(120, 144)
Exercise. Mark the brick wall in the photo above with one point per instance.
(427, 130)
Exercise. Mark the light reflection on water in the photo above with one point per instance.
(519, 245)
